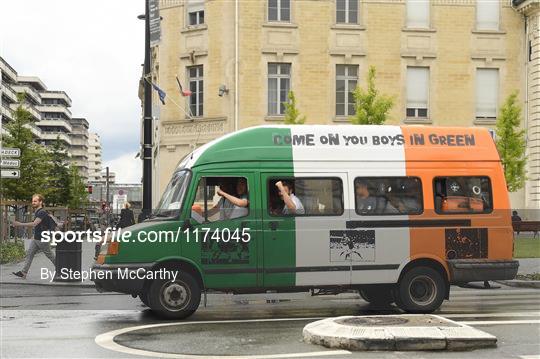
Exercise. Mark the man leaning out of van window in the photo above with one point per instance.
(293, 205)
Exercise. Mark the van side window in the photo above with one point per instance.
(305, 196)
(220, 198)
(388, 195)
(455, 195)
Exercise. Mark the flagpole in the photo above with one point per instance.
(147, 121)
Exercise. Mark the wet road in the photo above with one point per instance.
(38, 321)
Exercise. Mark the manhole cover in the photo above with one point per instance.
(372, 321)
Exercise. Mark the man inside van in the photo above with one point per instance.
(293, 205)
(365, 203)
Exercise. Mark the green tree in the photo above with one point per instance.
(34, 167)
(59, 180)
(292, 114)
(371, 107)
(77, 189)
(511, 143)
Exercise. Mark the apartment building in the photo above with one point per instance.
(445, 63)
(80, 146)
(94, 158)
(50, 113)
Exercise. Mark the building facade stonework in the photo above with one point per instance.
(445, 63)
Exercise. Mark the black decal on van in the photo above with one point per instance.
(463, 243)
(219, 252)
(355, 245)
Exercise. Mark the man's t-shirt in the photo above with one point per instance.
(44, 225)
(299, 206)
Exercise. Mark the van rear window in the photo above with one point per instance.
(376, 196)
(306, 196)
(461, 195)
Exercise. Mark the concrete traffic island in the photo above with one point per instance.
(396, 332)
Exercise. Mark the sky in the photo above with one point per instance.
(93, 50)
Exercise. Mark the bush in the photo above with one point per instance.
(11, 251)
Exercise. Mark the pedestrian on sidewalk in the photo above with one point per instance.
(126, 217)
(42, 222)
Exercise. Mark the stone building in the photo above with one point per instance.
(446, 63)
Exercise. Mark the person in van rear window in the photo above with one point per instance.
(240, 201)
(365, 203)
(292, 204)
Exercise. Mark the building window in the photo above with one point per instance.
(418, 14)
(417, 92)
(388, 195)
(279, 84)
(455, 195)
(487, 93)
(347, 11)
(346, 82)
(487, 14)
(195, 10)
(311, 197)
(279, 10)
(196, 86)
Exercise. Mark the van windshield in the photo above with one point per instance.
(171, 201)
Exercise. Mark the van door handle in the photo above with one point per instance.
(273, 225)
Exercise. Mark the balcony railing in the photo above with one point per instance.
(57, 95)
(30, 92)
(8, 70)
(52, 136)
(36, 131)
(31, 109)
(8, 91)
(55, 108)
(56, 122)
(7, 112)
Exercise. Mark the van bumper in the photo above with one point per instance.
(122, 278)
(475, 270)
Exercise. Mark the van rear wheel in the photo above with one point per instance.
(381, 296)
(420, 290)
(176, 299)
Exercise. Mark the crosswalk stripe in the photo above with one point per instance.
(488, 292)
(487, 315)
(495, 297)
(500, 322)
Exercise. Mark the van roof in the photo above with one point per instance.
(347, 143)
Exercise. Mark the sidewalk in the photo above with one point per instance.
(40, 261)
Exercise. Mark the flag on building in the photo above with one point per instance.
(160, 92)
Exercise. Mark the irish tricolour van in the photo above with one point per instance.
(398, 213)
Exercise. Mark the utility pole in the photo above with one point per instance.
(147, 121)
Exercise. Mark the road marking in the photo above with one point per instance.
(106, 340)
(501, 322)
(484, 315)
(534, 356)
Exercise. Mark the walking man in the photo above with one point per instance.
(42, 222)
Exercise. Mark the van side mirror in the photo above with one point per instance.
(186, 225)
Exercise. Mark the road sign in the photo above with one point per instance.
(11, 163)
(10, 152)
(10, 174)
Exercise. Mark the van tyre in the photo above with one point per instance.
(175, 299)
(377, 296)
(143, 296)
(420, 290)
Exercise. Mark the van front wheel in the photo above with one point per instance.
(176, 299)
(420, 290)
(380, 296)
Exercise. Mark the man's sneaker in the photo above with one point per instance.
(20, 274)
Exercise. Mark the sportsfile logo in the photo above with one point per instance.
(197, 235)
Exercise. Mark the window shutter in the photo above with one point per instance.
(418, 13)
(487, 90)
(487, 14)
(417, 87)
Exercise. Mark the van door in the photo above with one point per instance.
(228, 234)
(306, 249)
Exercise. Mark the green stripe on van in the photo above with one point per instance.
(264, 149)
